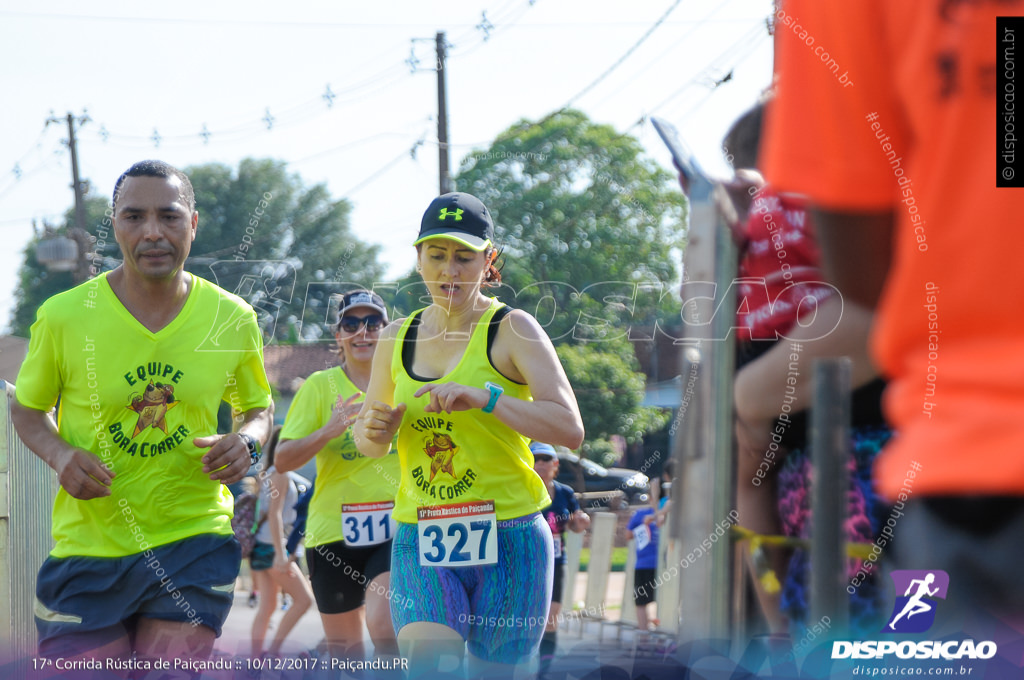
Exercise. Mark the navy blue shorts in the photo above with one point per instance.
(85, 602)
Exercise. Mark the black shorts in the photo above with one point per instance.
(643, 586)
(556, 584)
(340, 574)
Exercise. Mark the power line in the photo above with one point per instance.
(276, 119)
(347, 145)
(748, 39)
(528, 126)
(677, 42)
(220, 22)
(17, 170)
(624, 57)
(394, 161)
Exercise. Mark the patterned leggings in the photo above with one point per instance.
(499, 609)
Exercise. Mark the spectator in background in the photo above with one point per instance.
(563, 513)
(788, 315)
(643, 529)
(666, 487)
(348, 527)
(244, 522)
(898, 156)
(274, 570)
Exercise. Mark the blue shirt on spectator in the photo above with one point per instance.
(558, 514)
(645, 538)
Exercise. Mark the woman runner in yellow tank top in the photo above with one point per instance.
(466, 383)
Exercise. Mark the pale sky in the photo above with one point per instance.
(144, 67)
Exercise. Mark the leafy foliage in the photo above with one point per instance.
(286, 248)
(590, 227)
(609, 390)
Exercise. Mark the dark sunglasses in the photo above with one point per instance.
(351, 324)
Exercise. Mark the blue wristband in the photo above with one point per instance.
(496, 391)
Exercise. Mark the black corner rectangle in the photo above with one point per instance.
(1009, 151)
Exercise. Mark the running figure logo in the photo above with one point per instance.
(914, 611)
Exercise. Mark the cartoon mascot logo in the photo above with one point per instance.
(152, 406)
(441, 450)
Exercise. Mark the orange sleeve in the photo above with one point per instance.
(833, 71)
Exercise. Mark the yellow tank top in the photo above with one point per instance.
(464, 456)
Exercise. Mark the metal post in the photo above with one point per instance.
(602, 537)
(702, 446)
(27, 490)
(830, 437)
(443, 153)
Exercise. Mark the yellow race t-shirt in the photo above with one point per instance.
(343, 475)
(137, 399)
(463, 456)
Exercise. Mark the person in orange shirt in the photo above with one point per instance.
(886, 117)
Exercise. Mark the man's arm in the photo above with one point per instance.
(227, 461)
(81, 473)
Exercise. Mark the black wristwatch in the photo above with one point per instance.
(253, 445)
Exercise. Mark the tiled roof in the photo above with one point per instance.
(288, 365)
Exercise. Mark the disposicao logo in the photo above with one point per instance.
(917, 595)
(914, 611)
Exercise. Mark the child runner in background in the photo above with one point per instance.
(643, 529)
(274, 570)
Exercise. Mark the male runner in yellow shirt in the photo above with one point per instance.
(139, 360)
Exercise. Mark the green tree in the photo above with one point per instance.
(592, 232)
(285, 247)
(609, 390)
(229, 201)
(36, 283)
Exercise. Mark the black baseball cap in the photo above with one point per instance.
(459, 216)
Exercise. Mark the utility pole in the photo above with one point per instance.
(442, 117)
(76, 182)
(78, 232)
